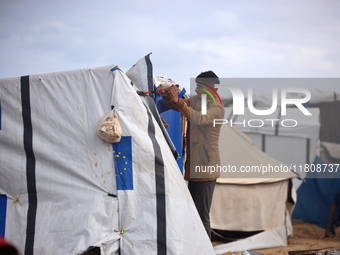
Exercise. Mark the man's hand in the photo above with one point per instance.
(173, 94)
(161, 90)
(170, 93)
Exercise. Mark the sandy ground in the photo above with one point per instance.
(307, 236)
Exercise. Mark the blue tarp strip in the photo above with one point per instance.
(3, 209)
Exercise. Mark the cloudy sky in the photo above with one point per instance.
(253, 38)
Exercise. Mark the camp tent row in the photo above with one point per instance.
(64, 190)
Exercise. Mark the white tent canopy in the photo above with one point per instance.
(66, 190)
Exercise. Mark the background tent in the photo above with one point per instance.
(319, 198)
(329, 104)
(318, 136)
(64, 190)
(256, 201)
(315, 199)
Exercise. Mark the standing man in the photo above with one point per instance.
(202, 140)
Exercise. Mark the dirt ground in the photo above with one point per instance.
(306, 236)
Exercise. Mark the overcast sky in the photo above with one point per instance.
(290, 38)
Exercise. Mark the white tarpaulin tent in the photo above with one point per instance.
(64, 190)
(254, 200)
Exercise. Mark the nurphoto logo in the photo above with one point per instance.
(280, 99)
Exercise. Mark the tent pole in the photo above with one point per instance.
(330, 218)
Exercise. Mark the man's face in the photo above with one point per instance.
(200, 89)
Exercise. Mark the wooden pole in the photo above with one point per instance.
(330, 218)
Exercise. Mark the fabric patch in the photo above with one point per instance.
(3, 209)
(122, 156)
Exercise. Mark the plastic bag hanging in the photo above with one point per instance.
(109, 128)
